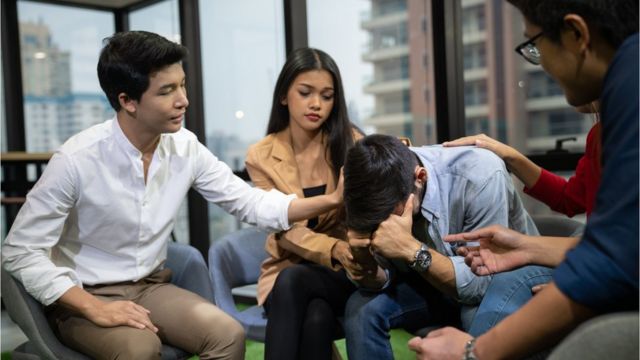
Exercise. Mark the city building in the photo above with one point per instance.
(499, 88)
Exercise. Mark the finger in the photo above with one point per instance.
(476, 235)
(435, 333)
(467, 140)
(536, 289)
(141, 315)
(462, 251)
(135, 324)
(480, 270)
(408, 207)
(359, 243)
(414, 344)
(140, 308)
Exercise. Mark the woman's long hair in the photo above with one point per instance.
(337, 127)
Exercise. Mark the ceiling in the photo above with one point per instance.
(114, 4)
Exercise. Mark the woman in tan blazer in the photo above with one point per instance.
(303, 284)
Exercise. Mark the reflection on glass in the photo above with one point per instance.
(61, 91)
(161, 18)
(384, 54)
(242, 52)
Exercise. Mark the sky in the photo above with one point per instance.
(243, 51)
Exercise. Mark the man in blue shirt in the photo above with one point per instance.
(591, 48)
(400, 203)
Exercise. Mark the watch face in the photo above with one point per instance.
(423, 260)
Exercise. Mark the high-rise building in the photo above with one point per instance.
(504, 96)
(46, 70)
(52, 111)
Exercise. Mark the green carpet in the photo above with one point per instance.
(399, 339)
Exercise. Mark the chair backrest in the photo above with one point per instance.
(549, 225)
(28, 313)
(234, 260)
(189, 270)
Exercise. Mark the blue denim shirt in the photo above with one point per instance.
(467, 188)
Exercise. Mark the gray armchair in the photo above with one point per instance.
(189, 272)
(234, 261)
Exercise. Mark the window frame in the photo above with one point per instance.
(447, 61)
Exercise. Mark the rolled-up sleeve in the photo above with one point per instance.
(37, 228)
(470, 287)
(215, 181)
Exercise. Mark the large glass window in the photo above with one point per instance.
(160, 18)
(3, 121)
(61, 91)
(506, 97)
(384, 55)
(243, 50)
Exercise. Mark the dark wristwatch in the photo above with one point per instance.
(422, 260)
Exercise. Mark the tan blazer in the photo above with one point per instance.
(271, 164)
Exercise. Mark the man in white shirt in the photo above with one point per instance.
(91, 240)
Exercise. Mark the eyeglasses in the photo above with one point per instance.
(529, 50)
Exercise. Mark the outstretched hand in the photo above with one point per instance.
(500, 249)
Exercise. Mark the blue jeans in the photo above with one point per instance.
(506, 293)
(409, 303)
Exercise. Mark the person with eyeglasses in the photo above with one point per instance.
(590, 48)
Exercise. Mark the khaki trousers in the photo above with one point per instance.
(184, 320)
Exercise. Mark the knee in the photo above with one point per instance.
(319, 315)
(290, 280)
(147, 346)
(363, 312)
(225, 340)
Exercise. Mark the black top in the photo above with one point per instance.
(311, 192)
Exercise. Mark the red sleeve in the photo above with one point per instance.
(564, 196)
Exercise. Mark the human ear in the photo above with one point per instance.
(283, 101)
(420, 175)
(126, 102)
(581, 33)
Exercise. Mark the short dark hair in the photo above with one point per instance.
(378, 175)
(614, 20)
(128, 58)
(338, 128)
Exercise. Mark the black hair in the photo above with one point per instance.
(337, 127)
(378, 175)
(128, 58)
(614, 20)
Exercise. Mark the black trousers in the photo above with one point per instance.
(302, 311)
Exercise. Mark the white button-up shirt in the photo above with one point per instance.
(91, 219)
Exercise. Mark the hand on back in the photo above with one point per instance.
(485, 142)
